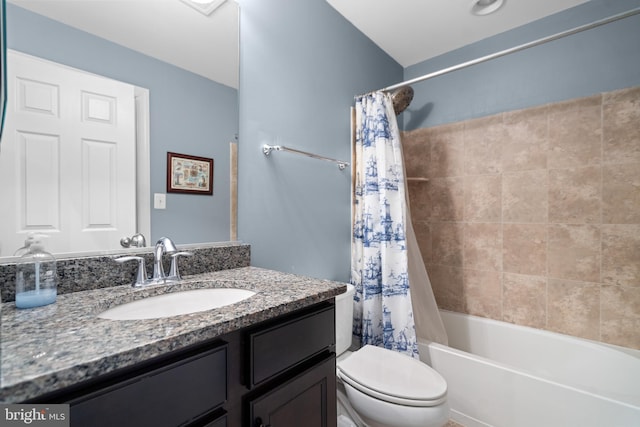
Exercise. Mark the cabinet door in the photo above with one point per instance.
(306, 400)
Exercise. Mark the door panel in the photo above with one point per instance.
(70, 146)
(38, 200)
(98, 189)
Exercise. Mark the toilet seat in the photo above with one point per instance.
(393, 377)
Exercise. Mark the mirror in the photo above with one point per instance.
(185, 59)
(3, 68)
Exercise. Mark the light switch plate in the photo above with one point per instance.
(159, 201)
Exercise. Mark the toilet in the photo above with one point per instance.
(383, 388)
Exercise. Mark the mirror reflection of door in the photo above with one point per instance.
(70, 147)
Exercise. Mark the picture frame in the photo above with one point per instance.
(189, 174)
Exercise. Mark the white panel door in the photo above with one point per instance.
(69, 147)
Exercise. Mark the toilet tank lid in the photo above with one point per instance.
(394, 374)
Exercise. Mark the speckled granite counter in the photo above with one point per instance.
(49, 348)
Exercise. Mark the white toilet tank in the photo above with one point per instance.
(344, 319)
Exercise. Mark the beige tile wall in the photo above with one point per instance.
(533, 216)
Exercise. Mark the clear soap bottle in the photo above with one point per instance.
(36, 277)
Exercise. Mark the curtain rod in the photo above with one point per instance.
(514, 49)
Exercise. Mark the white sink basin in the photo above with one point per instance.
(176, 303)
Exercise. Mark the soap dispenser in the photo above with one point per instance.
(36, 276)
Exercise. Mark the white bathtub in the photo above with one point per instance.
(504, 375)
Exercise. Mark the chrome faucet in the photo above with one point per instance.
(163, 246)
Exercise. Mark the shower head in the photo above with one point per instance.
(401, 98)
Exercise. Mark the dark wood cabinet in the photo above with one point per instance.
(279, 346)
(307, 399)
(170, 395)
(280, 373)
(292, 371)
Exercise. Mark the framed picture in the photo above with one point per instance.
(189, 174)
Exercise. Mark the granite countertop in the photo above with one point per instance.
(48, 348)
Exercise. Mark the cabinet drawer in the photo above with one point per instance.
(273, 349)
(167, 396)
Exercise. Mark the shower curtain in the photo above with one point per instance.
(386, 266)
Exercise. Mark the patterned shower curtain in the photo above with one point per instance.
(383, 315)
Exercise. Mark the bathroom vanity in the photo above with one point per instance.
(267, 360)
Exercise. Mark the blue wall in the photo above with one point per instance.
(598, 60)
(189, 114)
(301, 63)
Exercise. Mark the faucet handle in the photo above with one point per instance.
(141, 276)
(174, 274)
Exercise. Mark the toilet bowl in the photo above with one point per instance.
(384, 388)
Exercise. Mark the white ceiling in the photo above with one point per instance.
(168, 30)
(410, 31)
